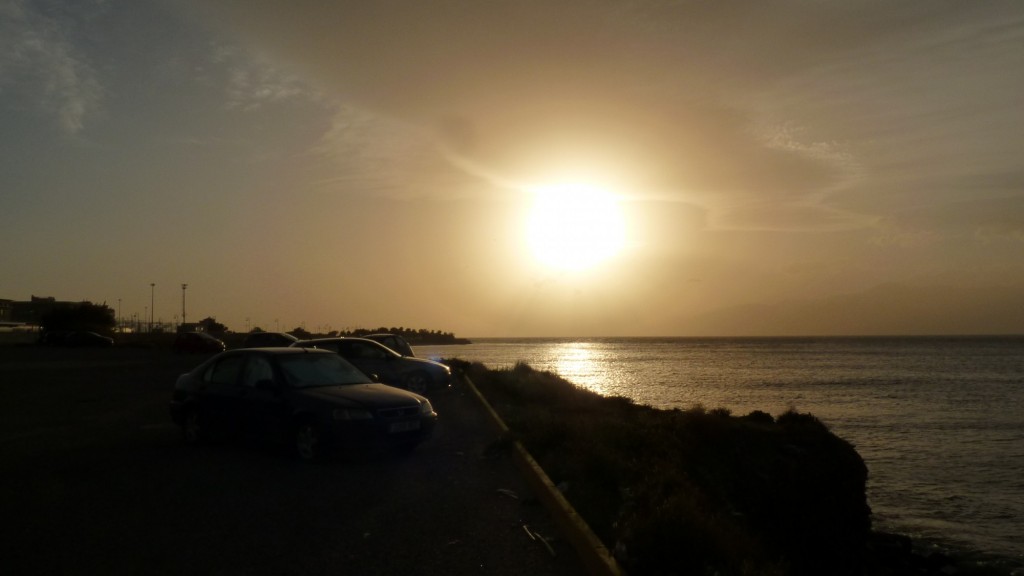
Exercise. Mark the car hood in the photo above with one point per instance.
(423, 362)
(366, 395)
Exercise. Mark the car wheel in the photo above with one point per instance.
(408, 448)
(417, 382)
(306, 441)
(192, 429)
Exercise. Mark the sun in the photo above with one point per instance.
(573, 227)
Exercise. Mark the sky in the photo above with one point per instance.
(784, 168)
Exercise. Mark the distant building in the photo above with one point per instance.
(35, 309)
(31, 311)
(19, 315)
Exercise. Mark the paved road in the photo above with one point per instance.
(95, 480)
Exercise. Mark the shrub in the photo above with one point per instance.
(693, 491)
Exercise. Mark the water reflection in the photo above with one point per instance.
(580, 363)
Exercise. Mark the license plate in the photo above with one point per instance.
(404, 426)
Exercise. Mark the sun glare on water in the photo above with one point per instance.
(574, 227)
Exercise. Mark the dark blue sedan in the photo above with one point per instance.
(312, 400)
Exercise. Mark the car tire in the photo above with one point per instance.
(407, 448)
(306, 441)
(193, 430)
(417, 382)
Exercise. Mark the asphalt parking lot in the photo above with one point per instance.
(95, 480)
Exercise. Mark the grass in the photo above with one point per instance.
(696, 491)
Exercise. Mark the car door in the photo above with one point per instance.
(220, 399)
(262, 398)
(372, 358)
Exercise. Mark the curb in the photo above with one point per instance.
(595, 557)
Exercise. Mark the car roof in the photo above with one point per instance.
(339, 339)
(199, 334)
(280, 350)
(284, 335)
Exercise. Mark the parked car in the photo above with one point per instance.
(196, 343)
(414, 374)
(312, 400)
(76, 339)
(268, 339)
(393, 341)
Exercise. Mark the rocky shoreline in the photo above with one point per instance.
(704, 491)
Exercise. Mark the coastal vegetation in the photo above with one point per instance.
(702, 491)
(415, 336)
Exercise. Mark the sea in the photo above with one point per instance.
(938, 420)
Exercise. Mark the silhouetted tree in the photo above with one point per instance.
(414, 336)
(210, 325)
(82, 316)
(301, 333)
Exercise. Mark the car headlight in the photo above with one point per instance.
(352, 414)
(425, 408)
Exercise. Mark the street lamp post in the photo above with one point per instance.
(183, 286)
(152, 285)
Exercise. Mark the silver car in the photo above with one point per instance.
(414, 374)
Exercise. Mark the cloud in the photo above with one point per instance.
(770, 117)
(41, 68)
(372, 153)
(252, 82)
(927, 116)
(980, 219)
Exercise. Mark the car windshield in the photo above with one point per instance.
(310, 370)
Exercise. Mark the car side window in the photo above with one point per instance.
(258, 368)
(363, 350)
(226, 371)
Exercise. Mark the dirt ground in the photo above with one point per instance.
(94, 479)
